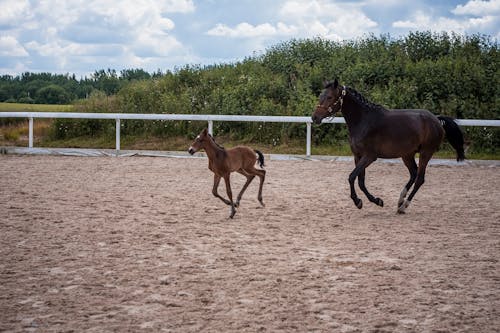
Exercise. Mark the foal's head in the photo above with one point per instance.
(199, 142)
(330, 102)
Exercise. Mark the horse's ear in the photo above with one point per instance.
(335, 83)
(205, 131)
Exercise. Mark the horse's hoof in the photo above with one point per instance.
(403, 206)
(262, 203)
(379, 202)
(359, 203)
(232, 212)
(237, 204)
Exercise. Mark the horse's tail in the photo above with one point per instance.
(260, 159)
(454, 135)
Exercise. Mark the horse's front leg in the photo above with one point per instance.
(361, 183)
(229, 194)
(216, 186)
(361, 164)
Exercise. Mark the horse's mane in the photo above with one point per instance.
(363, 101)
(218, 145)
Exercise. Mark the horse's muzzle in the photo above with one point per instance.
(191, 151)
(316, 119)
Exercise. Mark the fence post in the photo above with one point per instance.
(117, 144)
(30, 140)
(308, 140)
(211, 127)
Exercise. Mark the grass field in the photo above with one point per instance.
(19, 107)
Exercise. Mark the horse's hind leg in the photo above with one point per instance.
(420, 179)
(361, 183)
(215, 187)
(412, 168)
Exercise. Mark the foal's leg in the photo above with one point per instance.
(361, 183)
(409, 161)
(250, 174)
(262, 176)
(229, 194)
(249, 180)
(361, 164)
(214, 189)
(420, 179)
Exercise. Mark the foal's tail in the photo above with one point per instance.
(454, 135)
(260, 159)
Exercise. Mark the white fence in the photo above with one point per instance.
(195, 117)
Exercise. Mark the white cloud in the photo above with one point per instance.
(423, 21)
(246, 30)
(478, 8)
(12, 10)
(330, 19)
(64, 29)
(10, 47)
(304, 18)
(458, 24)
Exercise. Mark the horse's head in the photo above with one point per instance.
(199, 142)
(330, 102)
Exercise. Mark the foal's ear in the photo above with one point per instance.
(335, 83)
(205, 131)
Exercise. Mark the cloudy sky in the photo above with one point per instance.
(81, 36)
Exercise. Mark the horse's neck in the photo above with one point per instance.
(354, 112)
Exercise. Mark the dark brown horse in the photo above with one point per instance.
(377, 132)
(223, 161)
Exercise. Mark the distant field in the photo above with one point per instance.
(19, 107)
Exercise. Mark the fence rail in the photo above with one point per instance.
(197, 117)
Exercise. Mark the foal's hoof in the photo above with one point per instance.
(379, 202)
(262, 203)
(236, 204)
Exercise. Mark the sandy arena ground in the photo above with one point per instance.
(139, 244)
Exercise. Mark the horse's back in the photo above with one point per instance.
(399, 132)
(422, 123)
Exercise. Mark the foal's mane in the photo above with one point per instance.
(213, 140)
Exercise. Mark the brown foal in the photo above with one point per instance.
(223, 161)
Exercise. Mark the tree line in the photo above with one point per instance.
(449, 74)
(48, 88)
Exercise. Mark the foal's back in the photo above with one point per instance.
(241, 157)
